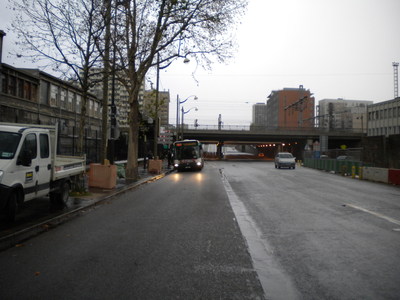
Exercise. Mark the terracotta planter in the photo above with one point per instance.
(155, 166)
(103, 176)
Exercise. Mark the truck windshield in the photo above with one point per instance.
(8, 144)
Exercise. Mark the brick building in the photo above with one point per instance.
(290, 108)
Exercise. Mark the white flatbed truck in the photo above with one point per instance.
(30, 167)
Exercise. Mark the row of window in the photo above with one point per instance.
(384, 131)
(52, 95)
(19, 87)
(71, 101)
(387, 113)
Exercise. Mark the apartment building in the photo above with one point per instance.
(290, 108)
(343, 114)
(259, 118)
(121, 97)
(149, 105)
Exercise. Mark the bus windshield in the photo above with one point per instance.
(188, 155)
(187, 150)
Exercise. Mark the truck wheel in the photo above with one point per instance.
(63, 195)
(60, 198)
(12, 207)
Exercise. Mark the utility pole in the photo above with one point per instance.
(396, 79)
(2, 34)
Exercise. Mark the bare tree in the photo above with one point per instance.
(64, 35)
(157, 32)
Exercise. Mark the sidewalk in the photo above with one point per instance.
(99, 194)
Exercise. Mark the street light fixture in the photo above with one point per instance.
(178, 103)
(183, 114)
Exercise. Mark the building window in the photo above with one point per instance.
(12, 85)
(63, 98)
(53, 95)
(78, 104)
(34, 92)
(27, 90)
(20, 88)
(71, 96)
(91, 108)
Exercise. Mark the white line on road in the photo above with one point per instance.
(276, 284)
(391, 220)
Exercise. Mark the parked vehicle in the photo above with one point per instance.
(285, 159)
(30, 168)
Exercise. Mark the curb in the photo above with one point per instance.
(15, 239)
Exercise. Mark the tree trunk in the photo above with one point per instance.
(82, 123)
(133, 140)
(106, 59)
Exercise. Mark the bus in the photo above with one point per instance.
(188, 154)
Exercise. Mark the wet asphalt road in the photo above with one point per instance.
(311, 235)
(331, 237)
(176, 238)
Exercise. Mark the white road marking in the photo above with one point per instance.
(391, 220)
(276, 283)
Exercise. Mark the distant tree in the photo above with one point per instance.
(63, 35)
(157, 32)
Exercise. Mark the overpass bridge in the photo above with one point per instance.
(277, 139)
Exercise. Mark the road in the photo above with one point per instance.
(334, 237)
(175, 238)
(236, 230)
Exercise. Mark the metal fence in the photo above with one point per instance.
(342, 161)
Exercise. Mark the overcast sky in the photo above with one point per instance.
(334, 48)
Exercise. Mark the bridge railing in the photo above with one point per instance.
(267, 129)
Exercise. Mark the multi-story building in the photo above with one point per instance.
(290, 108)
(384, 118)
(343, 114)
(121, 96)
(34, 97)
(259, 115)
(149, 105)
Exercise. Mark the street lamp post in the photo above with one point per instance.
(183, 114)
(178, 103)
(2, 34)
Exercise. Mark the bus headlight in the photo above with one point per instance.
(198, 163)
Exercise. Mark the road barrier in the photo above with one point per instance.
(356, 169)
(343, 167)
(394, 176)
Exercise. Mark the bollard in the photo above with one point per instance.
(353, 172)
(343, 170)
(360, 176)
